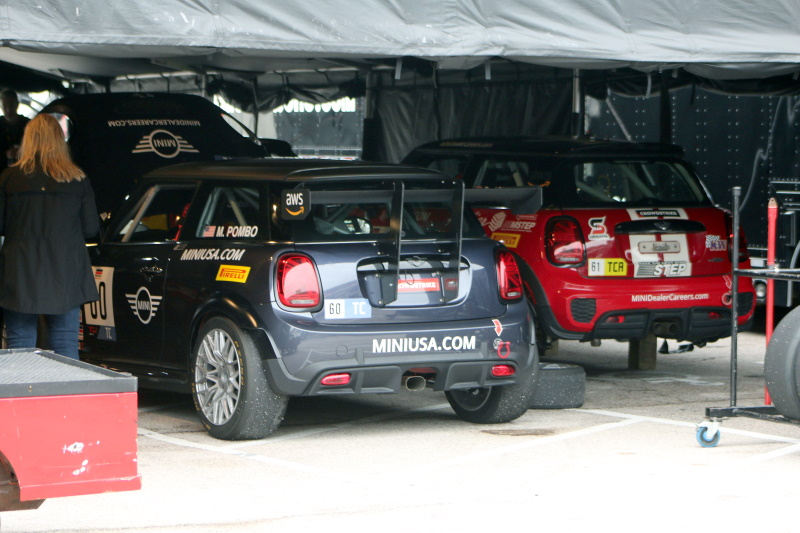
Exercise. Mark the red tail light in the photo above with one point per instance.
(508, 276)
(564, 242)
(744, 255)
(298, 283)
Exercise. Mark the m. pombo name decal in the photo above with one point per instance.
(229, 231)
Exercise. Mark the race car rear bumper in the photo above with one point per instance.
(693, 324)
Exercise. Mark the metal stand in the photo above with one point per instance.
(708, 431)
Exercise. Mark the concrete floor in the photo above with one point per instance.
(625, 461)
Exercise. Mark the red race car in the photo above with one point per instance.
(627, 243)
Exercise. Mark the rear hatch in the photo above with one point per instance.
(394, 251)
(654, 242)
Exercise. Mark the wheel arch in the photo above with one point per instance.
(229, 305)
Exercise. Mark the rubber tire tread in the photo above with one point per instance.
(505, 402)
(781, 362)
(260, 410)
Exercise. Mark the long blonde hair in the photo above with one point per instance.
(43, 146)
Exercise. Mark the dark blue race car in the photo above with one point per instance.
(248, 282)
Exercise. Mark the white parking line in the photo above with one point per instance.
(531, 443)
(336, 427)
(244, 455)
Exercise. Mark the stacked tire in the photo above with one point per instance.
(782, 366)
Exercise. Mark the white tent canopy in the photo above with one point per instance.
(722, 39)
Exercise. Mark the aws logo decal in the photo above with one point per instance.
(295, 204)
(144, 305)
(164, 143)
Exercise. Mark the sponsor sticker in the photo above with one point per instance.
(419, 285)
(295, 204)
(511, 240)
(235, 273)
(425, 344)
(347, 308)
(229, 231)
(212, 254)
(597, 229)
(608, 267)
(496, 222)
(716, 244)
(663, 269)
(658, 213)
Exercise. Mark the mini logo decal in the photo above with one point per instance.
(233, 273)
(143, 304)
(165, 144)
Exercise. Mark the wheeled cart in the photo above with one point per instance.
(66, 428)
(780, 363)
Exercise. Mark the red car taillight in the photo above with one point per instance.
(744, 255)
(508, 276)
(564, 242)
(298, 283)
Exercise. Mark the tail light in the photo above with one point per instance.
(564, 242)
(744, 255)
(298, 283)
(508, 276)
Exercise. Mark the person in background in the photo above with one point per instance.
(47, 211)
(12, 126)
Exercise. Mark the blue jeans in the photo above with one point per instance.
(62, 331)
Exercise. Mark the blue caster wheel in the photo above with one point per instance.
(702, 437)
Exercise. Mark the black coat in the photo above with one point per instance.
(44, 263)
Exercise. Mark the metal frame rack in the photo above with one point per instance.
(708, 431)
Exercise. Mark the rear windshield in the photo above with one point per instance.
(582, 182)
(365, 214)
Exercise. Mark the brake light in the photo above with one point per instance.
(744, 255)
(298, 283)
(564, 242)
(508, 276)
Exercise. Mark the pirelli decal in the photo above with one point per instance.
(235, 273)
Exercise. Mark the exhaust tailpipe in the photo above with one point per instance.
(413, 383)
(665, 329)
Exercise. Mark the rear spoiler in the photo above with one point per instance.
(520, 200)
(396, 194)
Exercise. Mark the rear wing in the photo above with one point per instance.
(520, 200)
(326, 206)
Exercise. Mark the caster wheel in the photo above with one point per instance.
(702, 437)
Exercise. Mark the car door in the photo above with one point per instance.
(125, 327)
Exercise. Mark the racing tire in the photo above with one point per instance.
(561, 386)
(231, 394)
(495, 405)
(782, 366)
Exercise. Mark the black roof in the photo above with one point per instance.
(290, 169)
(551, 146)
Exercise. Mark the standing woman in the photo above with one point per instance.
(47, 211)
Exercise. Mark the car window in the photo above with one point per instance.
(235, 212)
(366, 214)
(636, 182)
(159, 216)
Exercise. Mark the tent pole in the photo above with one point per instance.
(578, 107)
(665, 118)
